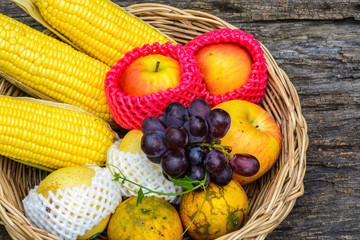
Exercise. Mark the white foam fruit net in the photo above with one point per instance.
(70, 213)
(137, 168)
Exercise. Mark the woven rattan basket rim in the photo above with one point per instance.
(271, 198)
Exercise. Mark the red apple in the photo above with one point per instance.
(150, 74)
(225, 66)
(231, 53)
(161, 74)
(252, 131)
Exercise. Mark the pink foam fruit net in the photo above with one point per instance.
(254, 89)
(129, 111)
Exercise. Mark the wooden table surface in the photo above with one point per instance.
(317, 43)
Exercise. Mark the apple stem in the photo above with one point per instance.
(157, 66)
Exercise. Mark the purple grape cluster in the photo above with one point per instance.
(186, 141)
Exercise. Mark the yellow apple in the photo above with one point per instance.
(69, 177)
(150, 74)
(66, 177)
(132, 142)
(252, 131)
(225, 66)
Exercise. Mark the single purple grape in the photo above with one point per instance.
(197, 129)
(215, 161)
(152, 124)
(175, 137)
(223, 178)
(174, 163)
(175, 114)
(153, 145)
(196, 172)
(199, 107)
(245, 164)
(219, 123)
(195, 155)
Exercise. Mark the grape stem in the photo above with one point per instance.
(122, 179)
(214, 145)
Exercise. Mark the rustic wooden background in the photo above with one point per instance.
(317, 43)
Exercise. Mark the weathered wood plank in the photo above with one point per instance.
(248, 11)
(255, 11)
(317, 43)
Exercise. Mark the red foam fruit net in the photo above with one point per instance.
(254, 89)
(129, 111)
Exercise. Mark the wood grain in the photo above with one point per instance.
(317, 43)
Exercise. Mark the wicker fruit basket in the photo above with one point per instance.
(271, 198)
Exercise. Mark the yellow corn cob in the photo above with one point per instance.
(43, 135)
(52, 67)
(100, 28)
